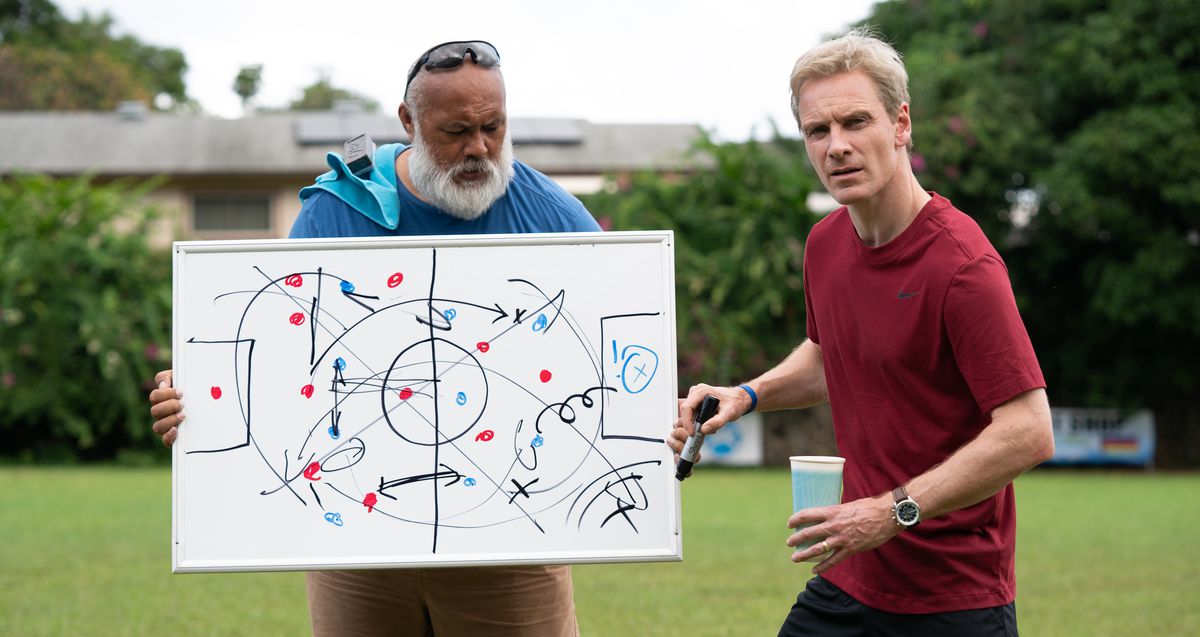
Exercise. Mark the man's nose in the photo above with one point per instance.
(839, 142)
(476, 145)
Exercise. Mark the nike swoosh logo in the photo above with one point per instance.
(907, 295)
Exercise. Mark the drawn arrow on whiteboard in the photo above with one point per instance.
(500, 313)
(424, 477)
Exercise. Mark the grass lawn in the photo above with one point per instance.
(85, 551)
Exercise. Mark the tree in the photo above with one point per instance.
(247, 83)
(85, 314)
(48, 62)
(740, 220)
(322, 95)
(1069, 128)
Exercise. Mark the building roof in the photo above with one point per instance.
(136, 143)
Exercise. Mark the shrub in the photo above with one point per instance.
(85, 316)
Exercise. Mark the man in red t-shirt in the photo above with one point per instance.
(915, 340)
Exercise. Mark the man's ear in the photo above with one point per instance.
(903, 126)
(406, 119)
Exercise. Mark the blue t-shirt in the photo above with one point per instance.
(532, 203)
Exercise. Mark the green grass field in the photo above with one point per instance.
(85, 551)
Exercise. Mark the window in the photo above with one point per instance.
(238, 213)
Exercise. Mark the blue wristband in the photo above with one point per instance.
(753, 398)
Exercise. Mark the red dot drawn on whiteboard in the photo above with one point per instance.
(370, 501)
(294, 281)
(395, 280)
(485, 435)
(405, 393)
(483, 346)
(312, 470)
(297, 318)
(545, 376)
(306, 391)
(216, 392)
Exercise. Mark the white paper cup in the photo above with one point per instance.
(816, 482)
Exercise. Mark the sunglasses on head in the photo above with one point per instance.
(450, 55)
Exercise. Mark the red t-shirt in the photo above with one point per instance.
(921, 340)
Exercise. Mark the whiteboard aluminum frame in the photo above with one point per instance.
(180, 249)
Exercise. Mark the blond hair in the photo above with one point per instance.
(859, 50)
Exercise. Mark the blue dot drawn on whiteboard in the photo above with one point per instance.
(449, 314)
(638, 367)
(334, 518)
(334, 433)
(606, 496)
(347, 287)
(461, 398)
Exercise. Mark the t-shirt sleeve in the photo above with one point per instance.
(578, 217)
(810, 319)
(990, 343)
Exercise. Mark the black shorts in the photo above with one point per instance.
(823, 610)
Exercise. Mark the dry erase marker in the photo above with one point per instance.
(687, 457)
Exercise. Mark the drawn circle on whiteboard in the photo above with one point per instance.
(456, 367)
(297, 318)
(395, 280)
(294, 281)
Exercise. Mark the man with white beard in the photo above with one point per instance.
(457, 177)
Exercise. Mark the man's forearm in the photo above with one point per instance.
(796, 382)
(1019, 438)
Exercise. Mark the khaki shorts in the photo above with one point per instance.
(519, 601)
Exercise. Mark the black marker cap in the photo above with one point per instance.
(682, 469)
(708, 409)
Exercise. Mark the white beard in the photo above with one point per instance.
(437, 185)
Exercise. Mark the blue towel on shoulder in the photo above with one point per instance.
(375, 197)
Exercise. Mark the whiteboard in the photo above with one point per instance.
(431, 401)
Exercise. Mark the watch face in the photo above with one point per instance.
(907, 512)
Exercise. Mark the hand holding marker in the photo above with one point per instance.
(691, 448)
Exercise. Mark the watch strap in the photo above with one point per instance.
(899, 494)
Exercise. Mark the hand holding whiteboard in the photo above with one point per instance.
(359, 403)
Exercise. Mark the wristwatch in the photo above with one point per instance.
(906, 511)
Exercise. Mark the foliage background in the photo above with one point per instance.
(1069, 129)
(1082, 115)
(740, 223)
(48, 62)
(85, 318)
